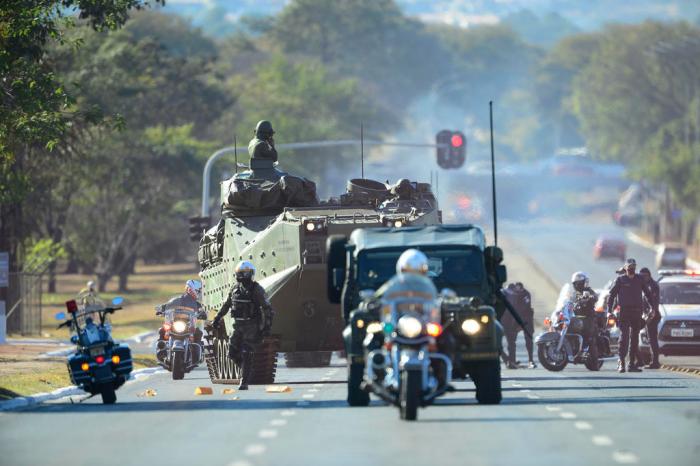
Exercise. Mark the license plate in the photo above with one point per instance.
(683, 332)
(97, 351)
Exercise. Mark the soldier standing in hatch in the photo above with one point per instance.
(262, 146)
(252, 314)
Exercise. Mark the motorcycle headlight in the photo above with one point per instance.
(409, 327)
(471, 326)
(179, 326)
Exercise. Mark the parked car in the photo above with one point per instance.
(671, 256)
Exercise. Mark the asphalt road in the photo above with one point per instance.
(575, 417)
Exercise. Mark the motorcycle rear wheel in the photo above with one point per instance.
(109, 395)
(409, 397)
(179, 366)
(554, 366)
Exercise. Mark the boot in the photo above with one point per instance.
(532, 365)
(246, 370)
(633, 367)
(654, 364)
(621, 366)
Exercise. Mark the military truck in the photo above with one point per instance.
(459, 260)
(276, 221)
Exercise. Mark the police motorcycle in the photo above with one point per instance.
(178, 351)
(403, 367)
(99, 365)
(563, 343)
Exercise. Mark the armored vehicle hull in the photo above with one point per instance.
(287, 246)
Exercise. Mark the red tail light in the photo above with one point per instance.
(99, 359)
(433, 329)
(547, 322)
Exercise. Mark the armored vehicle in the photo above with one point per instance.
(460, 261)
(277, 222)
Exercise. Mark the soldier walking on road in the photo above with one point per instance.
(629, 289)
(652, 318)
(521, 300)
(252, 316)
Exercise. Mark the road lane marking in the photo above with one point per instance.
(552, 408)
(602, 440)
(525, 390)
(278, 422)
(568, 415)
(517, 385)
(318, 385)
(267, 433)
(255, 449)
(532, 396)
(583, 425)
(308, 395)
(287, 412)
(241, 463)
(312, 390)
(625, 457)
(325, 378)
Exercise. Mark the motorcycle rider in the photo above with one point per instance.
(629, 289)
(88, 295)
(653, 317)
(584, 299)
(521, 300)
(188, 300)
(252, 313)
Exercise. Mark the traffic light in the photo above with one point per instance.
(451, 148)
(197, 227)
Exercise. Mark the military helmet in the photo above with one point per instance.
(264, 129)
(412, 261)
(245, 270)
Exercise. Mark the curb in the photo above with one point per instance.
(38, 398)
(635, 238)
(132, 339)
(684, 370)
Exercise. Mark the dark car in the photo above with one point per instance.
(606, 246)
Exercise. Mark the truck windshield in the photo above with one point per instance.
(451, 268)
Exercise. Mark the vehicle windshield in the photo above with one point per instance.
(680, 293)
(460, 269)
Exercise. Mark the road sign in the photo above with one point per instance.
(4, 269)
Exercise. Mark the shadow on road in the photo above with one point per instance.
(598, 400)
(607, 387)
(573, 377)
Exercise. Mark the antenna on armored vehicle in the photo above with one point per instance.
(493, 179)
(362, 151)
(235, 152)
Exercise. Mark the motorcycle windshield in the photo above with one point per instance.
(174, 313)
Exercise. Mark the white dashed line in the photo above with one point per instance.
(241, 463)
(532, 396)
(525, 390)
(267, 433)
(625, 457)
(318, 385)
(287, 412)
(517, 385)
(583, 425)
(308, 395)
(552, 408)
(602, 440)
(325, 378)
(255, 449)
(568, 415)
(312, 390)
(278, 422)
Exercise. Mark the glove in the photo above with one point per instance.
(216, 322)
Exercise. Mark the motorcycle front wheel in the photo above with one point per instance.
(109, 396)
(409, 397)
(593, 364)
(551, 363)
(179, 365)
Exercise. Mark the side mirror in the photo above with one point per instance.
(117, 301)
(60, 316)
(501, 274)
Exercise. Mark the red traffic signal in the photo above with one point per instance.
(451, 148)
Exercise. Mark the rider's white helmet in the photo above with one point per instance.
(90, 285)
(194, 289)
(412, 261)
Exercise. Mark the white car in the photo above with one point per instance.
(679, 328)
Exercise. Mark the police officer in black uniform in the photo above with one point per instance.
(629, 289)
(653, 316)
(252, 314)
(584, 299)
(520, 298)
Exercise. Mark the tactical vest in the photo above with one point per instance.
(242, 306)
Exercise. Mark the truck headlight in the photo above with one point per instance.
(179, 326)
(409, 327)
(471, 326)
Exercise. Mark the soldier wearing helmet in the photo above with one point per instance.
(583, 298)
(252, 313)
(262, 146)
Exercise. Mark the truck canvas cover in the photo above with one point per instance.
(406, 237)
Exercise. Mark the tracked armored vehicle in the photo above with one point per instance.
(277, 222)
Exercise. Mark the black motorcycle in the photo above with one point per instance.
(177, 350)
(99, 365)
